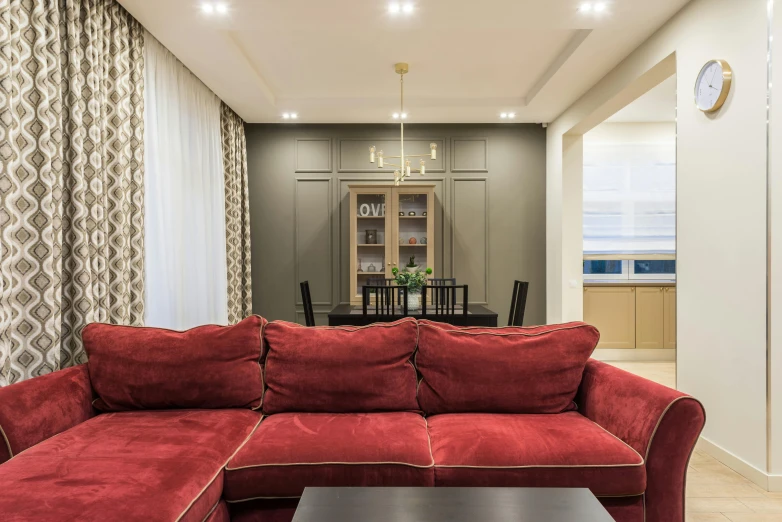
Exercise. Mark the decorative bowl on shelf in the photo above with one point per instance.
(401, 213)
(424, 214)
(423, 240)
(401, 241)
(413, 241)
(371, 268)
(411, 214)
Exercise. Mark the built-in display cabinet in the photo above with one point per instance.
(630, 316)
(388, 225)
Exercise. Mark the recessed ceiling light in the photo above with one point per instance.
(404, 115)
(407, 8)
(294, 116)
(286, 116)
(511, 115)
(600, 7)
(585, 7)
(207, 8)
(504, 115)
(395, 115)
(393, 8)
(221, 8)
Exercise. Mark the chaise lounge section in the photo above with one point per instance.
(232, 423)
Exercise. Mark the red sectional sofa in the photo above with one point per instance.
(232, 423)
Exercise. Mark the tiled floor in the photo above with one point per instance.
(715, 493)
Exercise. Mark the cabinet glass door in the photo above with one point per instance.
(371, 233)
(414, 226)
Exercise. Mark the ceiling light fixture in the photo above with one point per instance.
(395, 115)
(221, 8)
(407, 8)
(294, 116)
(511, 115)
(394, 8)
(404, 161)
(504, 115)
(585, 7)
(286, 116)
(207, 8)
(600, 7)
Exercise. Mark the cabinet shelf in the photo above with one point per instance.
(370, 273)
(371, 217)
(413, 217)
(414, 245)
(370, 245)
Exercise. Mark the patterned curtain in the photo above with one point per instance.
(71, 178)
(237, 215)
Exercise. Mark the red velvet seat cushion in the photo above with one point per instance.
(564, 450)
(502, 370)
(134, 466)
(340, 370)
(209, 366)
(291, 451)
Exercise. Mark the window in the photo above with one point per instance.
(629, 196)
(652, 269)
(605, 269)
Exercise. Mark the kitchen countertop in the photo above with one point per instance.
(635, 282)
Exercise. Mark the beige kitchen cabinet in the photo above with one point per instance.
(649, 317)
(669, 317)
(611, 309)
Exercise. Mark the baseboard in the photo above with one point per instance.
(740, 466)
(634, 354)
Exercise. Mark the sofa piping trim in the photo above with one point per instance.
(222, 467)
(260, 498)
(211, 510)
(350, 329)
(261, 367)
(513, 334)
(7, 443)
(643, 460)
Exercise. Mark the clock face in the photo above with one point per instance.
(712, 86)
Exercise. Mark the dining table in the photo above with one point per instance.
(352, 315)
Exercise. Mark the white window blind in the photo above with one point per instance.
(630, 198)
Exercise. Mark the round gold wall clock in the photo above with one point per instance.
(713, 85)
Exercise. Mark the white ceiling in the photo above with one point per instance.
(331, 61)
(657, 105)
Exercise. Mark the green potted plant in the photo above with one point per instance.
(413, 280)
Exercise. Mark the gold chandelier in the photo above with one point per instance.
(404, 167)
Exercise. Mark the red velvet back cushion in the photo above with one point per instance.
(340, 370)
(209, 366)
(502, 370)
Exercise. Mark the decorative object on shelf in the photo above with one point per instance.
(358, 268)
(425, 214)
(401, 213)
(370, 237)
(411, 266)
(401, 241)
(372, 210)
(713, 85)
(413, 280)
(413, 241)
(411, 214)
(423, 240)
(404, 161)
(371, 268)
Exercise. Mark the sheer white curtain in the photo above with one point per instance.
(184, 226)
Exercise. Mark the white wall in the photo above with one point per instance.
(721, 208)
(652, 132)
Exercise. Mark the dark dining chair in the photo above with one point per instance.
(443, 299)
(309, 315)
(441, 281)
(380, 281)
(389, 300)
(518, 303)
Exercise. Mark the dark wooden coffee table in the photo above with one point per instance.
(449, 504)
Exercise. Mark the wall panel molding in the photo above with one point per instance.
(297, 237)
(437, 166)
(321, 151)
(484, 230)
(478, 160)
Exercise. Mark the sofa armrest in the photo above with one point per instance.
(32, 411)
(659, 423)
